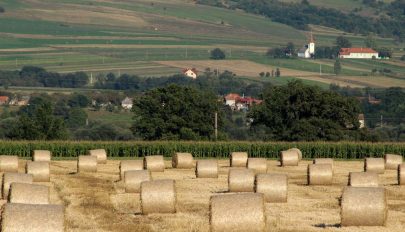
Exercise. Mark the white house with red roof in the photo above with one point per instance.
(190, 72)
(358, 53)
(236, 102)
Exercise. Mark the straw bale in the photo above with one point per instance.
(289, 158)
(363, 179)
(182, 160)
(238, 159)
(362, 206)
(274, 187)
(376, 165)
(259, 165)
(206, 169)
(401, 174)
(29, 194)
(298, 151)
(41, 155)
(320, 174)
(154, 163)
(130, 165)
(392, 161)
(134, 178)
(39, 170)
(101, 155)
(8, 163)
(32, 218)
(87, 163)
(324, 161)
(241, 180)
(237, 212)
(158, 196)
(10, 177)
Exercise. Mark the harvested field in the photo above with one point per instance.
(239, 67)
(98, 202)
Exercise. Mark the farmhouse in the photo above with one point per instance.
(4, 100)
(190, 72)
(127, 103)
(358, 53)
(236, 102)
(308, 51)
(362, 121)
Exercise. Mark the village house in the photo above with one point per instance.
(362, 121)
(127, 103)
(308, 51)
(4, 100)
(190, 72)
(358, 53)
(22, 101)
(236, 102)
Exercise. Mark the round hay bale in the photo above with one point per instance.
(87, 163)
(10, 177)
(238, 159)
(206, 169)
(8, 163)
(29, 194)
(154, 163)
(362, 206)
(134, 178)
(33, 218)
(324, 161)
(158, 196)
(237, 213)
(130, 165)
(241, 180)
(401, 174)
(376, 165)
(182, 160)
(320, 174)
(363, 179)
(274, 187)
(298, 151)
(39, 170)
(392, 161)
(101, 155)
(258, 165)
(289, 158)
(41, 155)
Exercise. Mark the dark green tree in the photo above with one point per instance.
(174, 113)
(77, 118)
(299, 112)
(78, 100)
(343, 42)
(217, 54)
(337, 67)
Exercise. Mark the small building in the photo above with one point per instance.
(230, 100)
(4, 100)
(127, 103)
(362, 121)
(308, 51)
(23, 101)
(358, 53)
(190, 72)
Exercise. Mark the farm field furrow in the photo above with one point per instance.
(98, 202)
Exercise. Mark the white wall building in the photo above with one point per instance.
(127, 103)
(190, 72)
(308, 51)
(358, 53)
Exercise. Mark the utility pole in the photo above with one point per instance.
(186, 52)
(216, 125)
(119, 72)
(16, 62)
(381, 122)
(320, 69)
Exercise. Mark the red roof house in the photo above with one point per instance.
(358, 53)
(4, 100)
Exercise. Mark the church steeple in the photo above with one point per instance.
(311, 38)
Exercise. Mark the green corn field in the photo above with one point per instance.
(338, 150)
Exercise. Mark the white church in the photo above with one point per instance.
(308, 51)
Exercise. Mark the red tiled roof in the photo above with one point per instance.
(3, 98)
(192, 69)
(232, 96)
(249, 100)
(347, 51)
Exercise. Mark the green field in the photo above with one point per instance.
(97, 36)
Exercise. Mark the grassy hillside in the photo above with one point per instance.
(100, 36)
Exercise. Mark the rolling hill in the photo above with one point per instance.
(155, 38)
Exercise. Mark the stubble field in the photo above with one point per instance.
(98, 202)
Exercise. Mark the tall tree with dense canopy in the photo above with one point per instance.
(299, 112)
(174, 113)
